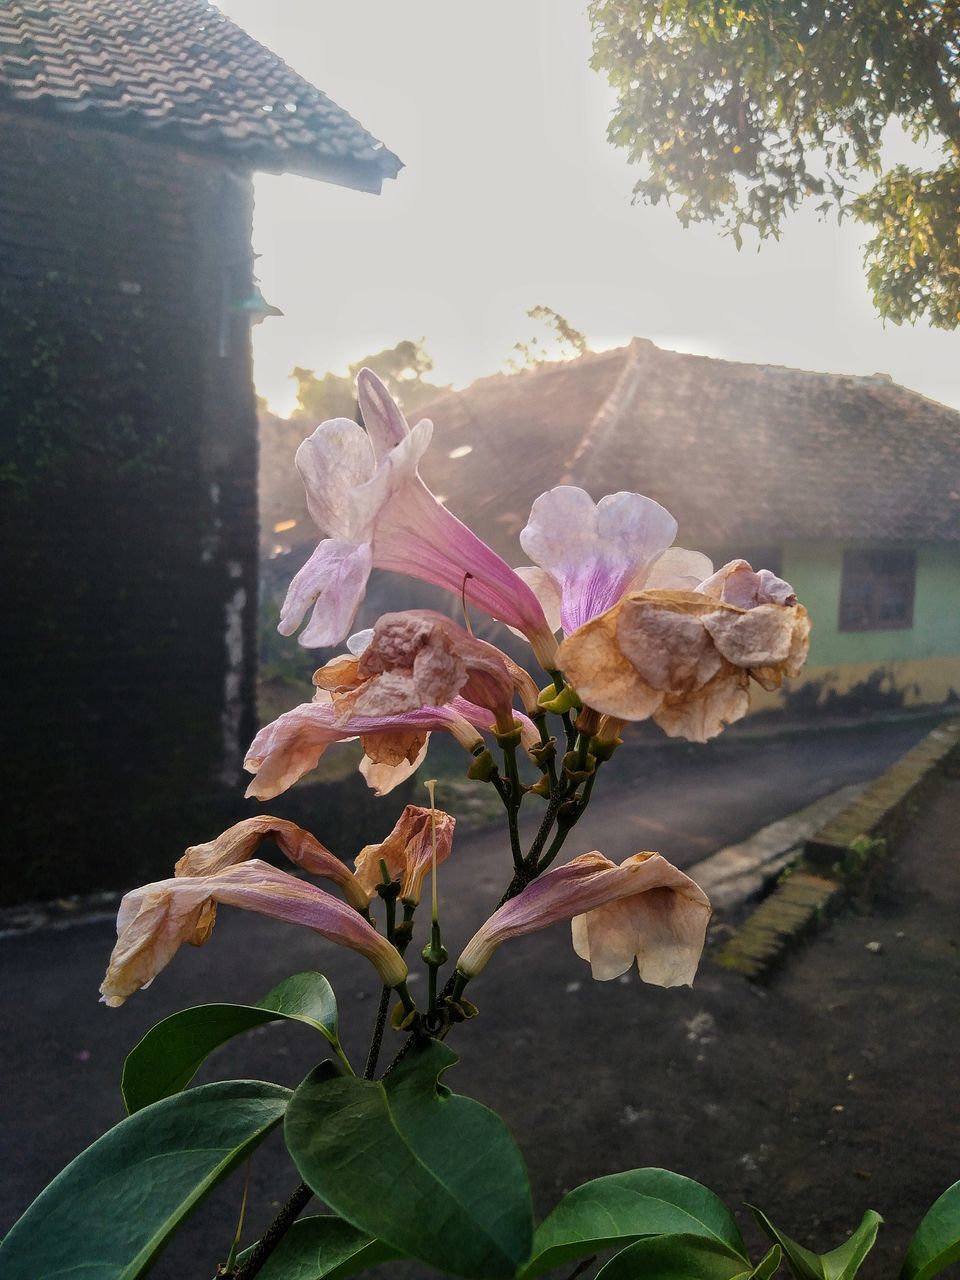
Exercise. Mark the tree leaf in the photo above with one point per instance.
(675, 1257)
(936, 1242)
(171, 1053)
(768, 1265)
(803, 1264)
(844, 1262)
(322, 1248)
(112, 1210)
(841, 1263)
(432, 1174)
(625, 1206)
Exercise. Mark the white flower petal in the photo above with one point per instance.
(544, 587)
(382, 778)
(676, 570)
(333, 580)
(385, 424)
(359, 641)
(595, 552)
(333, 461)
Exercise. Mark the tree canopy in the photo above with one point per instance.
(333, 395)
(744, 109)
(561, 341)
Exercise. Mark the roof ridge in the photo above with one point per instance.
(607, 416)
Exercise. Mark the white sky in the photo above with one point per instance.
(512, 197)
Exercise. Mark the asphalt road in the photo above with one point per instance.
(63, 1051)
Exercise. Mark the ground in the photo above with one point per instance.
(821, 1095)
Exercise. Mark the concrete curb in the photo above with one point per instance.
(838, 858)
(878, 808)
(738, 872)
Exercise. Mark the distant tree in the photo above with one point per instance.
(561, 341)
(333, 395)
(743, 109)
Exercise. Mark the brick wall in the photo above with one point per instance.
(128, 512)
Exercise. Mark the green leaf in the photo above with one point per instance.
(768, 1265)
(674, 1257)
(803, 1264)
(112, 1210)
(937, 1240)
(625, 1206)
(841, 1263)
(844, 1262)
(171, 1053)
(322, 1248)
(432, 1174)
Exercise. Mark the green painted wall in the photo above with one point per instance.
(813, 569)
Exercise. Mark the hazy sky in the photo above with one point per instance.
(512, 197)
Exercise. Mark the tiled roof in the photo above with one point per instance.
(741, 454)
(181, 72)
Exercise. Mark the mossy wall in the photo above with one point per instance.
(128, 488)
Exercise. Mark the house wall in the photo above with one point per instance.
(899, 667)
(127, 503)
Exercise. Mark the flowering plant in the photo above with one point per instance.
(407, 1168)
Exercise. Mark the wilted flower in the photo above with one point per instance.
(365, 493)
(155, 920)
(408, 851)
(240, 842)
(419, 658)
(686, 657)
(588, 555)
(644, 910)
(283, 751)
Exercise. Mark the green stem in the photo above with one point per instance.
(513, 802)
(373, 1054)
(275, 1232)
(588, 789)
(540, 720)
(434, 956)
(529, 869)
(556, 845)
(231, 1261)
(540, 839)
(513, 774)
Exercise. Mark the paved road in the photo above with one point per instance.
(63, 1051)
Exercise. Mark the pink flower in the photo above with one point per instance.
(737, 584)
(292, 745)
(240, 842)
(408, 851)
(155, 920)
(686, 658)
(365, 493)
(419, 658)
(589, 555)
(644, 910)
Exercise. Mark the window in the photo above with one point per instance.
(876, 590)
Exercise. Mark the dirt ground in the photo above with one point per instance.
(829, 1091)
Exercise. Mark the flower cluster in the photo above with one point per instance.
(626, 626)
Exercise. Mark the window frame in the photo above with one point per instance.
(853, 578)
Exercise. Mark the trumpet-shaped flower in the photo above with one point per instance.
(365, 494)
(686, 657)
(588, 555)
(155, 920)
(643, 910)
(241, 841)
(415, 659)
(283, 751)
(408, 851)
